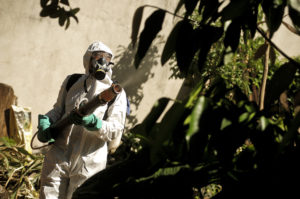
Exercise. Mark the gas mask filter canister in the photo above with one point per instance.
(99, 68)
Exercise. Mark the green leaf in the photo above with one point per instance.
(279, 82)
(294, 13)
(136, 23)
(170, 45)
(194, 94)
(200, 106)
(152, 26)
(264, 122)
(244, 117)
(225, 123)
(228, 57)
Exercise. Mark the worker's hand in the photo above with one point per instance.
(44, 132)
(90, 122)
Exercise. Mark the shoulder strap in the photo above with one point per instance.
(74, 77)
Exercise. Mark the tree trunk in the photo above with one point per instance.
(265, 76)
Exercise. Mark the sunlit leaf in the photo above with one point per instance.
(244, 117)
(200, 106)
(152, 26)
(263, 121)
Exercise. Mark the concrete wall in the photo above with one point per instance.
(37, 54)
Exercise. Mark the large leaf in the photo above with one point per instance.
(280, 82)
(136, 22)
(233, 33)
(170, 45)
(274, 11)
(200, 106)
(152, 26)
(185, 46)
(294, 12)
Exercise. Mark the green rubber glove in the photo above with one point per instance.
(90, 122)
(44, 133)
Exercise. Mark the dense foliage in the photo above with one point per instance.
(19, 171)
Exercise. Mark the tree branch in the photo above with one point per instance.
(277, 48)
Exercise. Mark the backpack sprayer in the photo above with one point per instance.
(85, 108)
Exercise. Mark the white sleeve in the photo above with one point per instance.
(59, 107)
(112, 127)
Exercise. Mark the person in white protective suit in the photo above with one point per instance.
(81, 149)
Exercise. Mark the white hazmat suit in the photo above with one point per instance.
(77, 153)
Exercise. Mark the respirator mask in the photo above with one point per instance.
(100, 64)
